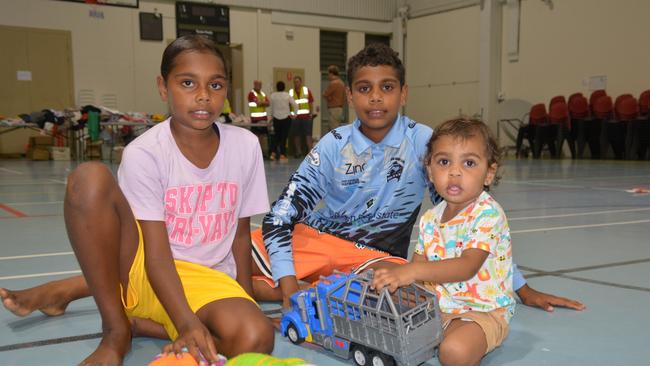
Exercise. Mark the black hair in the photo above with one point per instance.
(279, 86)
(465, 128)
(376, 54)
(192, 42)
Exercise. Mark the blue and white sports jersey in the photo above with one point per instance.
(372, 192)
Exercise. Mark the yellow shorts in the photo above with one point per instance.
(316, 254)
(202, 285)
(493, 323)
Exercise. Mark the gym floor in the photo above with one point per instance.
(576, 230)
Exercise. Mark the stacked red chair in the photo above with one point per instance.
(595, 95)
(543, 132)
(644, 104)
(559, 117)
(583, 128)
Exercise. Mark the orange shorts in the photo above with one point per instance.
(316, 254)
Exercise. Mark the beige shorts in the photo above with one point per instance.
(493, 323)
(336, 117)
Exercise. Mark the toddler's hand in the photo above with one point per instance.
(392, 278)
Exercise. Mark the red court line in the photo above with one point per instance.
(28, 217)
(12, 211)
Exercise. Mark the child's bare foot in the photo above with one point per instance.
(50, 298)
(111, 350)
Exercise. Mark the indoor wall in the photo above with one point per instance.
(562, 47)
(442, 65)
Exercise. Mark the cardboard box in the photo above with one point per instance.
(15, 142)
(40, 141)
(117, 154)
(93, 150)
(60, 153)
(38, 153)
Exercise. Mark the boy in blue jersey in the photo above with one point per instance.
(370, 178)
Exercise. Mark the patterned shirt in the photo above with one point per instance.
(371, 192)
(482, 225)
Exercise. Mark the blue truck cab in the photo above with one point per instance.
(344, 315)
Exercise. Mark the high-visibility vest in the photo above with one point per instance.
(258, 112)
(302, 100)
(226, 107)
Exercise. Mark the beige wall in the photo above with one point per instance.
(356, 42)
(442, 65)
(108, 56)
(559, 48)
(265, 46)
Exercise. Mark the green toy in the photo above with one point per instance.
(259, 359)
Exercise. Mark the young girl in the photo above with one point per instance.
(165, 246)
(463, 251)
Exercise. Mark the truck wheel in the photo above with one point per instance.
(360, 355)
(293, 335)
(380, 359)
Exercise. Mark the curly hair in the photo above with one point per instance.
(465, 128)
(376, 54)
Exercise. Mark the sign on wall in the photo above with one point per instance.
(209, 20)
(287, 74)
(125, 3)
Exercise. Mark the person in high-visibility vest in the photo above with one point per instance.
(225, 112)
(302, 125)
(257, 103)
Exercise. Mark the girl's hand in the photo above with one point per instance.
(197, 341)
(392, 278)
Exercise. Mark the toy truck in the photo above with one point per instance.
(343, 314)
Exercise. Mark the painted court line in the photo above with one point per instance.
(29, 183)
(562, 273)
(531, 183)
(597, 177)
(605, 283)
(34, 203)
(540, 272)
(29, 194)
(29, 217)
(27, 256)
(12, 211)
(39, 275)
(11, 171)
(579, 214)
(47, 342)
(570, 215)
(554, 228)
(589, 280)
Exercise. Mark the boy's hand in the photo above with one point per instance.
(392, 278)
(198, 341)
(289, 286)
(532, 297)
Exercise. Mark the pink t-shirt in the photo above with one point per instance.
(199, 206)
